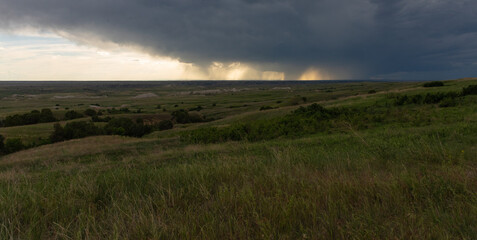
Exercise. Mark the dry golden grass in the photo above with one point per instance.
(69, 149)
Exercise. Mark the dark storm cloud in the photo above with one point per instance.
(379, 37)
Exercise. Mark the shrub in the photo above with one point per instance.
(297, 100)
(58, 133)
(2, 144)
(46, 115)
(13, 145)
(183, 116)
(116, 111)
(429, 98)
(433, 84)
(100, 119)
(198, 108)
(70, 115)
(126, 127)
(448, 102)
(263, 108)
(310, 119)
(470, 90)
(372, 91)
(164, 125)
(34, 117)
(90, 112)
(74, 130)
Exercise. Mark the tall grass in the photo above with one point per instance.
(392, 172)
(396, 185)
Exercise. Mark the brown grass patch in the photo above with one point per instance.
(68, 149)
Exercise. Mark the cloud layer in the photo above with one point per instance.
(344, 38)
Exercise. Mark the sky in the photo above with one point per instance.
(237, 39)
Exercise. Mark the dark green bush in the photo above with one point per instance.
(183, 116)
(46, 115)
(428, 98)
(74, 130)
(164, 125)
(2, 144)
(433, 84)
(263, 108)
(118, 111)
(90, 112)
(198, 108)
(470, 90)
(70, 115)
(126, 127)
(100, 119)
(448, 102)
(304, 120)
(296, 100)
(34, 117)
(13, 145)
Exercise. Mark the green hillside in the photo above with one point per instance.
(278, 160)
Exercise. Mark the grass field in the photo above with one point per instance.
(409, 174)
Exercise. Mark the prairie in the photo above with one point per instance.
(372, 161)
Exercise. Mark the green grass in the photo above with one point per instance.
(420, 186)
(413, 178)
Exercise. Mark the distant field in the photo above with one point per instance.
(372, 164)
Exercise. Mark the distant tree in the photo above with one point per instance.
(125, 110)
(73, 115)
(297, 100)
(33, 117)
(198, 108)
(58, 134)
(433, 84)
(74, 130)
(100, 119)
(2, 144)
(46, 115)
(90, 112)
(165, 125)
(126, 127)
(13, 145)
(263, 108)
